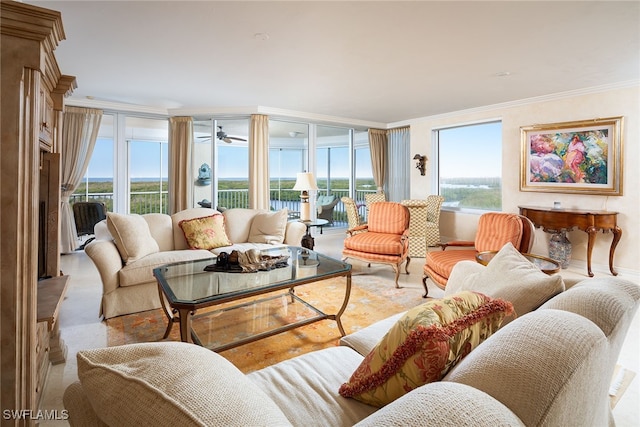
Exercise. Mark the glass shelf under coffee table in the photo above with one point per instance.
(546, 265)
(221, 310)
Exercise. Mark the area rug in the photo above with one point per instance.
(371, 299)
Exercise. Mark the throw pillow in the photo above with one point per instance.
(268, 227)
(171, 383)
(132, 236)
(510, 276)
(423, 345)
(205, 233)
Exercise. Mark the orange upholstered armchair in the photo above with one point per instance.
(494, 231)
(385, 239)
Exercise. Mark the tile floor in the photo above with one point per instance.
(82, 329)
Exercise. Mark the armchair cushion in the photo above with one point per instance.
(205, 233)
(424, 345)
(268, 227)
(510, 276)
(375, 243)
(495, 229)
(132, 236)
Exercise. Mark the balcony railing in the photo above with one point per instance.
(150, 202)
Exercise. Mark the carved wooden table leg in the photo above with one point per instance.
(617, 234)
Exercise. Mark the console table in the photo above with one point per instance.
(556, 220)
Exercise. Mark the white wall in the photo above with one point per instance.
(615, 102)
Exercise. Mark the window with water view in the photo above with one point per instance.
(470, 166)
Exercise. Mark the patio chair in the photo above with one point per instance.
(86, 215)
(325, 205)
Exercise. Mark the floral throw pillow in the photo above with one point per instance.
(205, 233)
(424, 345)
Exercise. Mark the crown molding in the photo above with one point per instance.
(522, 102)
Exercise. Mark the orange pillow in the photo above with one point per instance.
(205, 233)
(424, 345)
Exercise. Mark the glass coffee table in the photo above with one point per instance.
(546, 265)
(220, 310)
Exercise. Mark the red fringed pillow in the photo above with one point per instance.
(424, 345)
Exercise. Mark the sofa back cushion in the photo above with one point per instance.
(510, 276)
(161, 230)
(172, 383)
(238, 222)
(179, 241)
(268, 227)
(132, 236)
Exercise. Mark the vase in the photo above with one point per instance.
(560, 249)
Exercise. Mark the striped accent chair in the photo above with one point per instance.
(495, 229)
(383, 240)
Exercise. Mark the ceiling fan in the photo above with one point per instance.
(222, 136)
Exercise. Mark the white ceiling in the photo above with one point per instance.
(382, 61)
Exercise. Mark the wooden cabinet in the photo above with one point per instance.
(32, 90)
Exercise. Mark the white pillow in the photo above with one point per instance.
(172, 383)
(268, 227)
(132, 236)
(509, 276)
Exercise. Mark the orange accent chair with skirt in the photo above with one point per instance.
(495, 229)
(383, 240)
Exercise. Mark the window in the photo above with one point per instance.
(221, 163)
(148, 164)
(288, 155)
(97, 183)
(470, 166)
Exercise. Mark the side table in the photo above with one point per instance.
(307, 240)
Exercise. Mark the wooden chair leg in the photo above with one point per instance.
(424, 283)
(396, 269)
(406, 266)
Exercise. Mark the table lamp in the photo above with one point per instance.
(305, 182)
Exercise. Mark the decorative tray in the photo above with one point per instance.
(265, 263)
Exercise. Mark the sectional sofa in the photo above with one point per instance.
(550, 366)
(128, 247)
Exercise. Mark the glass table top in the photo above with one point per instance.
(547, 265)
(189, 283)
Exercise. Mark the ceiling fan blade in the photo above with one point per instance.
(227, 140)
(236, 138)
(205, 136)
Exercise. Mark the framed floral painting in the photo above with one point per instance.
(582, 157)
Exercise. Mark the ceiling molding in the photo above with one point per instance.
(521, 102)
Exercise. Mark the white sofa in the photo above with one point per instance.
(153, 240)
(550, 367)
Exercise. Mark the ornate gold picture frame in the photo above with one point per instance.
(582, 157)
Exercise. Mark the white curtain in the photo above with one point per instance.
(79, 133)
(399, 158)
(259, 162)
(180, 182)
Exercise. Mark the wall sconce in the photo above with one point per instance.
(421, 163)
(305, 182)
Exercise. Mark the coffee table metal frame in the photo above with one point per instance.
(182, 311)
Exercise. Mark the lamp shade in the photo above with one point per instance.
(305, 181)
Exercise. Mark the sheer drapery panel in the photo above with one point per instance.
(79, 134)
(399, 155)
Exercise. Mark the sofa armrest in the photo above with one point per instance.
(294, 232)
(444, 404)
(81, 413)
(106, 258)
